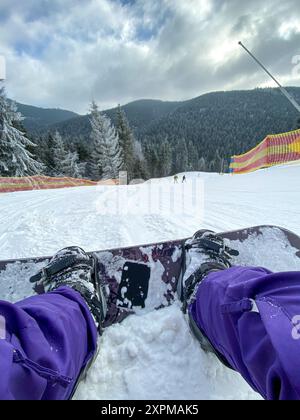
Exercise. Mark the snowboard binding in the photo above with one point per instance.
(73, 267)
(206, 252)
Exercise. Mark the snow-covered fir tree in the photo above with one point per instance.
(70, 165)
(180, 156)
(202, 164)
(59, 154)
(139, 165)
(164, 153)
(126, 139)
(15, 157)
(107, 153)
(48, 155)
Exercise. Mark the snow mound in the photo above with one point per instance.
(155, 357)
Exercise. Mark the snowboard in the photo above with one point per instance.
(143, 278)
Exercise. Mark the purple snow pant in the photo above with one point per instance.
(252, 318)
(48, 340)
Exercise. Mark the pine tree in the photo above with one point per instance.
(48, 155)
(59, 154)
(139, 170)
(193, 160)
(126, 139)
(82, 150)
(152, 160)
(15, 157)
(165, 159)
(201, 165)
(70, 165)
(107, 153)
(219, 162)
(180, 156)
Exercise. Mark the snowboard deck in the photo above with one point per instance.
(143, 278)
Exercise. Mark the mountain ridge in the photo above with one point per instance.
(37, 117)
(212, 126)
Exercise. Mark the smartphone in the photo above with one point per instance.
(134, 286)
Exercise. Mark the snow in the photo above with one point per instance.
(153, 355)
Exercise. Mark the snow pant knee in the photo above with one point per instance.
(248, 315)
(47, 341)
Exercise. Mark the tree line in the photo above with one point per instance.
(201, 135)
(108, 150)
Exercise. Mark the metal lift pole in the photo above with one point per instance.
(282, 89)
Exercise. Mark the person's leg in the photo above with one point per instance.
(248, 315)
(48, 341)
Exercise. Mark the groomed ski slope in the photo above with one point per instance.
(151, 356)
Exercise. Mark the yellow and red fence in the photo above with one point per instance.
(40, 183)
(273, 150)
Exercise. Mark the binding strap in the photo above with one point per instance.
(56, 267)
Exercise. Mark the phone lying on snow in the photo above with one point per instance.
(134, 286)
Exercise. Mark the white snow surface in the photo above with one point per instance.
(153, 355)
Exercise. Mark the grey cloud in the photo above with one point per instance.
(242, 23)
(114, 52)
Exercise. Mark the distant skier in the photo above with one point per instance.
(176, 179)
(183, 179)
(242, 314)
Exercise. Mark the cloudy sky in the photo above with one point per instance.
(64, 53)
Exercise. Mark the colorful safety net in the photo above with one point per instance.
(273, 150)
(40, 183)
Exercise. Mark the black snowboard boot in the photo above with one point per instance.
(204, 253)
(74, 268)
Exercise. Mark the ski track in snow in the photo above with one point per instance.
(161, 360)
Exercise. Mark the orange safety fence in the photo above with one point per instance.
(41, 183)
(273, 150)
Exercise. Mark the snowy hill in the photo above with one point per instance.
(161, 359)
(36, 118)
